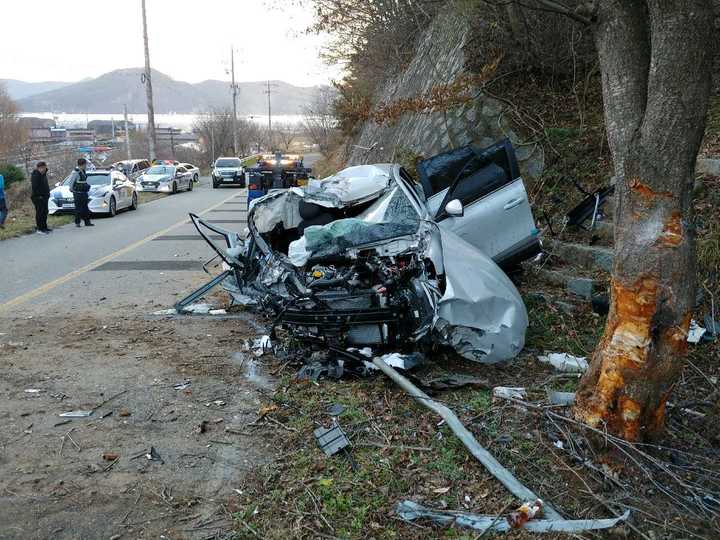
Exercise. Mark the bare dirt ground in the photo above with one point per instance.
(174, 384)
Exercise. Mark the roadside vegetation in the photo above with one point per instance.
(21, 219)
(402, 451)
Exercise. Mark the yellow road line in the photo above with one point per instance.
(75, 273)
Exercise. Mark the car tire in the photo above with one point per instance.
(196, 178)
(190, 185)
(215, 186)
(174, 188)
(134, 204)
(113, 207)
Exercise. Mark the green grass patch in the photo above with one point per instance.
(21, 223)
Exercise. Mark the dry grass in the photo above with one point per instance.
(21, 218)
(402, 451)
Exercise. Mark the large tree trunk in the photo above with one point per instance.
(656, 60)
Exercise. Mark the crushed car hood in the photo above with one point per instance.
(350, 186)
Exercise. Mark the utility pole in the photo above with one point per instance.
(234, 88)
(127, 134)
(212, 141)
(270, 132)
(269, 116)
(148, 88)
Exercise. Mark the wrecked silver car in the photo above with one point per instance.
(370, 258)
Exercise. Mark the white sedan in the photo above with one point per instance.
(165, 179)
(110, 191)
(192, 169)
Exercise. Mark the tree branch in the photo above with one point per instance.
(563, 10)
(551, 7)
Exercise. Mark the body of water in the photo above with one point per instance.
(181, 121)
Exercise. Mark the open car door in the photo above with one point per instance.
(480, 196)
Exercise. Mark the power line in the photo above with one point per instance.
(270, 86)
(234, 88)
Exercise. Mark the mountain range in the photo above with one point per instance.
(21, 89)
(110, 92)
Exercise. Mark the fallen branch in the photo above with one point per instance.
(493, 466)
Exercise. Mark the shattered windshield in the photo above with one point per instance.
(161, 169)
(392, 207)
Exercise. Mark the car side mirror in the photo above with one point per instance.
(454, 208)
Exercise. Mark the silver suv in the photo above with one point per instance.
(228, 171)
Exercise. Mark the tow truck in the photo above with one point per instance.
(276, 171)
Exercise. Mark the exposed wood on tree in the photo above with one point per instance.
(656, 60)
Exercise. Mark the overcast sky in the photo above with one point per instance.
(190, 40)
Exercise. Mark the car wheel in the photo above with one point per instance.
(190, 184)
(134, 204)
(113, 207)
(174, 188)
(215, 186)
(196, 178)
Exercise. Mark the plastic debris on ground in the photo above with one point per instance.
(509, 392)
(154, 455)
(565, 362)
(171, 311)
(76, 414)
(695, 332)
(336, 409)
(561, 398)
(183, 385)
(399, 361)
(331, 440)
(195, 309)
(411, 511)
(525, 513)
(33, 391)
(712, 327)
(199, 309)
(259, 346)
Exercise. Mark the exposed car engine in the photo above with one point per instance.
(371, 301)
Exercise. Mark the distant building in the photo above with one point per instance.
(81, 136)
(58, 134)
(39, 130)
(109, 127)
(174, 136)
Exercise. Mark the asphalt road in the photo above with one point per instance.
(121, 257)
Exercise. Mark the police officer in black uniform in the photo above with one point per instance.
(80, 189)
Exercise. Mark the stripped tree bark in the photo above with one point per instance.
(656, 62)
